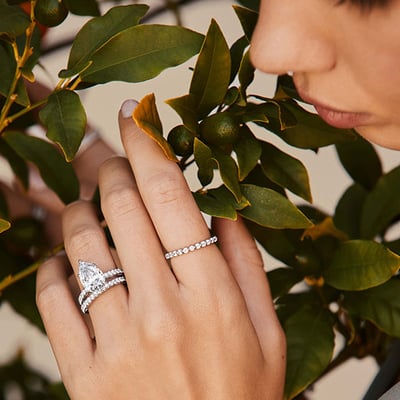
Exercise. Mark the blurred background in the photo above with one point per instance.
(328, 179)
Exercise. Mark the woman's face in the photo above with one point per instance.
(345, 60)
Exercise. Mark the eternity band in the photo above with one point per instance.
(191, 248)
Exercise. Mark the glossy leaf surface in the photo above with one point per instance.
(310, 132)
(310, 344)
(361, 161)
(141, 52)
(98, 31)
(65, 120)
(271, 209)
(285, 171)
(212, 72)
(380, 305)
(360, 265)
(248, 151)
(381, 205)
(50, 163)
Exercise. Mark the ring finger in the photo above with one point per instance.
(85, 240)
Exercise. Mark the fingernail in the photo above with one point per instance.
(127, 108)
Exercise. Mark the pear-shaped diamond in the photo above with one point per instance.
(90, 276)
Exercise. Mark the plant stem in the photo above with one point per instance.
(12, 279)
(24, 111)
(21, 61)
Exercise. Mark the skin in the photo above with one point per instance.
(204, 327)
(180, 331)
(342, 56)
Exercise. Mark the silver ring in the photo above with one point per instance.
(191, 248)
(95, 282)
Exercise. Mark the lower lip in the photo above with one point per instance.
(340, 119)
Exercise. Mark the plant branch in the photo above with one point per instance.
(12, 279)
(21, 61)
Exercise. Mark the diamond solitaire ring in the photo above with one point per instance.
(95, 282)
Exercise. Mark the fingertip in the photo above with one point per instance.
(127, 108)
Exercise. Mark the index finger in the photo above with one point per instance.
(170, 204)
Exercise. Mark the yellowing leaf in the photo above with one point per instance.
(4, 225)
(147, 118)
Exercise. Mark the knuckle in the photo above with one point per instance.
(166, 188)
(119, 201)
(82, 237)
(162, 327)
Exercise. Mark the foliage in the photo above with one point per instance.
(346, 267)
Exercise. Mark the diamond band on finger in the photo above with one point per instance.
(191, 248)
(95, 282)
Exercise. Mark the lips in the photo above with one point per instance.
(338, 118)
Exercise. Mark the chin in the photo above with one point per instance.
(387, 136)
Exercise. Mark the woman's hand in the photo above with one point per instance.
(199, 326)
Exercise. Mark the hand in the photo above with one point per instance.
(201, 326)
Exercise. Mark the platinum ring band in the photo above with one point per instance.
(95, 282)
(85, 305)
(191, 248)
(106, 275)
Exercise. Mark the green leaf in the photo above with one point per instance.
(79, 7)
(248, 151)
(361, 161)
(141, 52)
(219, 203)
(380, 305)
(50, 163)
(65, 120)
(310, 132)
(147, 118)
(246, 74)
(205, 162)
(381, 205)
(310, 344)
(277, 242)
(4, 225)
(360, 265)
(13, 21)
(237, 50)
(8, 67)
(98, 31)
(212, 72)
(271, 209)
(17, 163)
(348, 210)
(281, 280)
(248, 20)
(229, 173)
(285, 171)
(185, 107)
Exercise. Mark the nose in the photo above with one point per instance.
(292, 36)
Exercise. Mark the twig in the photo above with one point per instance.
(12, 279)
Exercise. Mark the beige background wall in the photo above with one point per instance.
(102, 103)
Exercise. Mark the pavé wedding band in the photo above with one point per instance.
(191, 248)
(95, 282)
